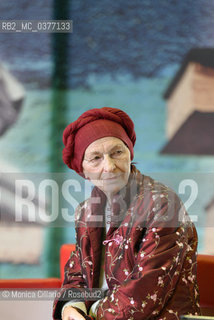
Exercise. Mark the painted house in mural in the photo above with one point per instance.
(190, 105)
(190, 117)
(209, 224)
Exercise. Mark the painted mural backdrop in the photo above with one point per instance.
(122, 54)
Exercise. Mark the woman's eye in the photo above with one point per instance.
(96, 158)
(117, 153)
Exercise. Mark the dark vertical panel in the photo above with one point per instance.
(59, 105)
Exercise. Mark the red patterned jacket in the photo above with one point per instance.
(150, 255)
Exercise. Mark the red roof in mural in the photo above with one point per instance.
(195, 136)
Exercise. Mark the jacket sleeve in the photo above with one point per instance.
(165, 255)
(73, 279)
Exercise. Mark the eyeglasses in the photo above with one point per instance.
(98, 158)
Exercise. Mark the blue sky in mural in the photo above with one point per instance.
(140, 38)
(27, 55)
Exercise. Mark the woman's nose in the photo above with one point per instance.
(108, 164)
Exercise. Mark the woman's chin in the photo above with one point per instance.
(111, 188)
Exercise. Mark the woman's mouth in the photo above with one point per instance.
(111, 178)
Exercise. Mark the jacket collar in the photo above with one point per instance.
(96, 225)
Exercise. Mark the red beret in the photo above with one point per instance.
(92, 125)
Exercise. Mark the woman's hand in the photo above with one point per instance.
(71, 313)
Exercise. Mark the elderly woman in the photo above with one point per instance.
(134, 238)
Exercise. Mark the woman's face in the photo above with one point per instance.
(107, 164)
